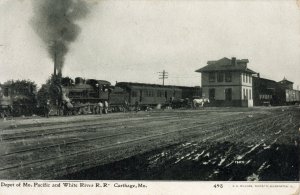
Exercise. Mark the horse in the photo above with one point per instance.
(200, 102)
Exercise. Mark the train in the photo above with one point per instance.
(82, 96)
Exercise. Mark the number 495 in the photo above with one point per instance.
(218, 186)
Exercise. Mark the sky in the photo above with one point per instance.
(132, 41)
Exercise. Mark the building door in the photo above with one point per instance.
(212, 94)
(228, 94)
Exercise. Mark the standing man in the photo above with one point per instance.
(136, 106)
(105, 107)
(125, 106)
(47, 109)
(100, 107)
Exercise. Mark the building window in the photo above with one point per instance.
(250, 79)
(212, 77)
(228, 77)
(149, 93)
(152, 93)
(158, 94)
(246, 78)
(134, 94)
(220, 77)
(243, 77)
(212, 94)
(244, 94)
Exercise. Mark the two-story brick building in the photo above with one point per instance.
(227, 82)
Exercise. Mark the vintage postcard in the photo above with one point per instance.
(149, 97)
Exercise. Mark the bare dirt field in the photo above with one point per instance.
(207, 144)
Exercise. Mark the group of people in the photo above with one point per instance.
(103, 107)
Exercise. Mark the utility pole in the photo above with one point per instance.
(163, 75)
(55, 63)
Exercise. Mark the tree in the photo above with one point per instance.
(22, 87)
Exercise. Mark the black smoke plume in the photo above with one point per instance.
(54, 22)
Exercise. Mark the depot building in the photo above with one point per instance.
(227, 82)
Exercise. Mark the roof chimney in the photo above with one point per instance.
(233, 61)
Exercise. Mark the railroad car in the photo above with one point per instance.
(269, 92)
(264, 91)
(17, 98)
(291, 96)
(126, 94)
(287, 96)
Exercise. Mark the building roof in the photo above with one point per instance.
(284, 80)
(226, 64)
(150, 85)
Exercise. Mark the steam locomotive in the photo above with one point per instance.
(82, 96)
(17, 98)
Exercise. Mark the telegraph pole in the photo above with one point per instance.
(163, 75)
(54, 63)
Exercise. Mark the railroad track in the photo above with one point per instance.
(20, 132)
(193, 131)
(96, 130)
(110, 146)
(101, 136)
(69, 129)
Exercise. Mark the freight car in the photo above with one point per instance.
(287, 96)
(127, 95)
(269, 92)
(17, 98)
(83, 96)
(264, 91)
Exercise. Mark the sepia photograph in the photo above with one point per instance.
(149, 90)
